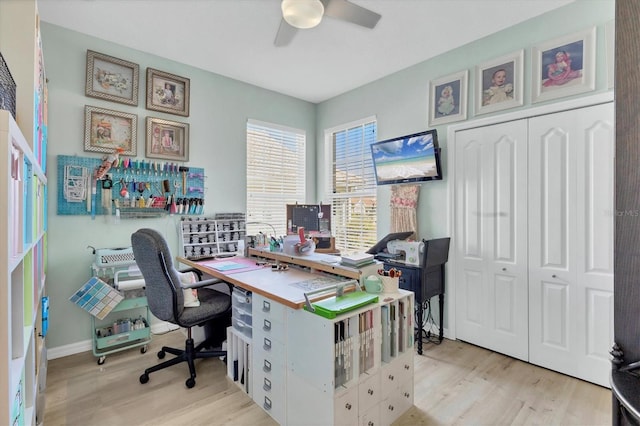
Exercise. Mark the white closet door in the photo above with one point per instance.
(571, 216)
(491, 257)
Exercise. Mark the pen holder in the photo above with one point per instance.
(390, 285)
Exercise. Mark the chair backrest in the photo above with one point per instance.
(162, 283)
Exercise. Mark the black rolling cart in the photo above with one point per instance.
(425, 280)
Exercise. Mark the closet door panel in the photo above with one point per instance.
(491, 237)
(595, 242)
(571, 221)
(553, 198)
(505, 212)
(555, 321)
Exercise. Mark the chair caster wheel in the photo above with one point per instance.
(144, 378)
(143, 350)
(189, 383)
(101, 360)
(161, 354)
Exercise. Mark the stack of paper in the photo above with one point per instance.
(357, 260)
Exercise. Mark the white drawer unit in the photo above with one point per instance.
(241, 299)
(270, 383)
(269, 356)
(241, 311)
(304, 368)
(241, 315)
(335, 372)
(397, 388)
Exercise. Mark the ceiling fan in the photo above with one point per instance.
(303, 14)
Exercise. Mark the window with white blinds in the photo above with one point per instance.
(353, 185)
(275, 177)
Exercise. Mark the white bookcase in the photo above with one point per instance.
(23, 260)
(23, 251)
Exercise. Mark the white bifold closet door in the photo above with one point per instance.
(534, 226)
(491, 237)
(571, 231)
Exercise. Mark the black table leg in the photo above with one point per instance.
(441, 304)
(420, 311)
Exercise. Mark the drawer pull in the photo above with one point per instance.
(390, 407)
(266, 367)
(267, 344)
(391, 377)
(347, 406)
(407, 366)
(370, 391)
(267, 384)
(267, 325)
(266, 306)
(370, 423)
(267, 403)
(407, 394)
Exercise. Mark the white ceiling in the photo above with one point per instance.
(234, 38)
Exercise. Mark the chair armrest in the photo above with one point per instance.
(201, 282)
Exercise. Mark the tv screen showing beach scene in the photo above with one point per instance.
(407, 159)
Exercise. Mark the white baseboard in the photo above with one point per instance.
(163, 327)
(72, 349)
(87, 345)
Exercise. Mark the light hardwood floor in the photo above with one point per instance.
(455, 383)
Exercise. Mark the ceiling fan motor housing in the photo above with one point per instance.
(302, 14)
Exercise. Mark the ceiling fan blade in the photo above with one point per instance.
(285, 34)
(350, 12)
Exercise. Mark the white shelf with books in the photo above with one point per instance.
(22, 256)
(23, 190)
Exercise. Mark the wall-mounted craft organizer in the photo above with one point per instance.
(140, 190)
(207, 236)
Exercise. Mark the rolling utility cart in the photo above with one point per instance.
(127, 325)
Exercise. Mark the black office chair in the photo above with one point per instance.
(164, 293)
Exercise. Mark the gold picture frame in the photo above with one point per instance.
(167, 92)
(111, 78)
(106, 130)
(167, 139)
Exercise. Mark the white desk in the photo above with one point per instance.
(291, 360)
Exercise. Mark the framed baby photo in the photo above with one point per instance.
(499, 83)
(564, 66)
(111, 78)
(105, 130)
(167, 139)
(448, 98)
(167, 92)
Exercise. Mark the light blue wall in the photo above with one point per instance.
(400, 101)
(219, 110)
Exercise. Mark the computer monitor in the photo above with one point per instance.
(381, 245)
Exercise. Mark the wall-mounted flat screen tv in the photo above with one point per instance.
(407, 159)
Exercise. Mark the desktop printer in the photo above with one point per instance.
(406, 251)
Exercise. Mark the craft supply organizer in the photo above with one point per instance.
(140, 190)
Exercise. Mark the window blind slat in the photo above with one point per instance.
(353, 197)
(273, 178)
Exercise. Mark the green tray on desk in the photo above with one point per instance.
(334, 306)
